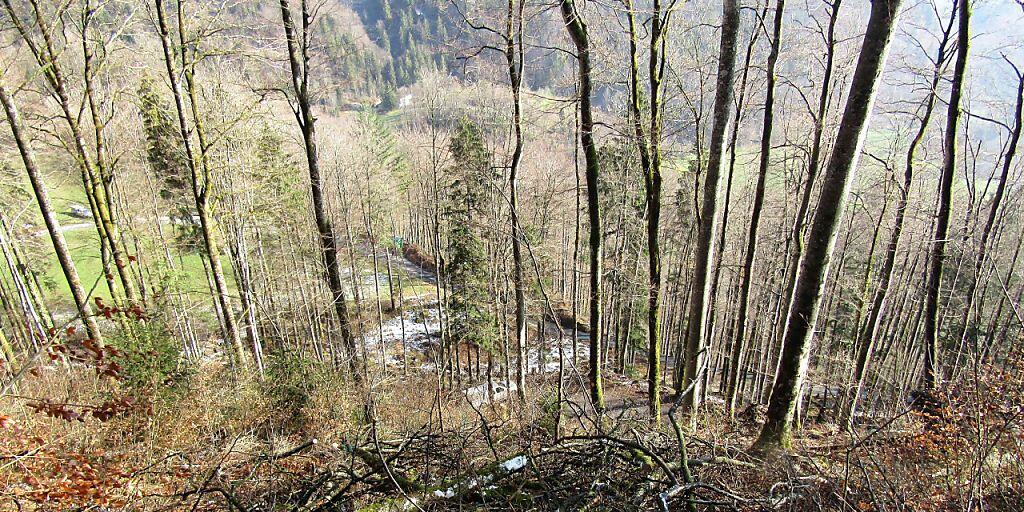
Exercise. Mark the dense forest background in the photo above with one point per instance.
(568, 255)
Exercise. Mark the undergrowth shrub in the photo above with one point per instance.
(290, 384)
(634, 372)
(150, 358)
(973, 439)
(548, 420)
(955, 448)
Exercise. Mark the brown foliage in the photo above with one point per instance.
(419, 257)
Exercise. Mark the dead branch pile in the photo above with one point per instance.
(441, 472)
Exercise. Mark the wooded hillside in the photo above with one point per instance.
(343, 255)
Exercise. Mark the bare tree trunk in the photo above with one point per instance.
(21, 331)
(514, 59)
(30, 277)
(578, 33)
(104, 192)
(867, 335)
(199, 167)
(795, 241)
(942, 208)
(993, 212)
(777, 432)
(298, 60)
(46, 55)
(730, 338)
(755, 211)
(649, 145)
(33, 320)
(697, 333)
(60, 246)
(376, 296)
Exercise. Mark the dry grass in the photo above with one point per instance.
(214, 443)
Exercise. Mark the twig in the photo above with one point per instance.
(288, 453)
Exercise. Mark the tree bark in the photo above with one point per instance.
(867, 335)
(103, 193)
(578, 33)
(697, 332)
(777, 432)
(649, 145)
(298, 60)
(199, 168)
(60, 246)
(795, 241)
(514, 60)
(46, 56)
(755, 211)
(942, 208)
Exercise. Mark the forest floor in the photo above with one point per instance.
(303, 437)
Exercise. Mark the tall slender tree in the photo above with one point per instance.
(53, 228)
(796, 240)
(298, 61)
(581, 40)
(867, 334)
(514, 54)
(700, 289)
(933, 280)
(648, 141)
(750, 254)
(46, 49)
(198, 160)
(777, 431)
(994, 210)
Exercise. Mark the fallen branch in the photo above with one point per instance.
(635, 446)
(718, 459)
(688, 487)
(378, 465)
(288, 453)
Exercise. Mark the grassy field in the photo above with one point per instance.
(65, 190)
(189, 274)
